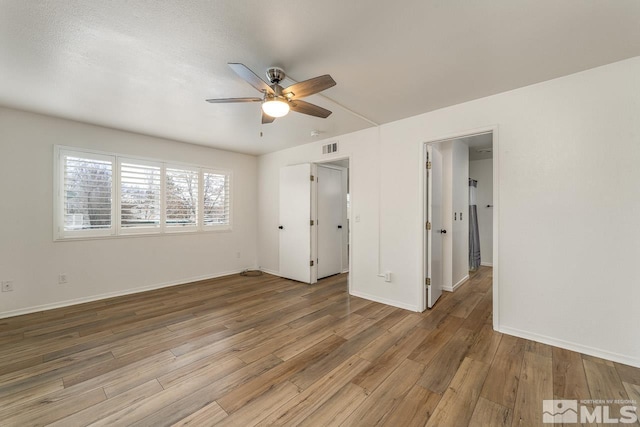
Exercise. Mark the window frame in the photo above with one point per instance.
(59, 194)
(229, 176)
(138, 230)
(116, 230)
(171, 229)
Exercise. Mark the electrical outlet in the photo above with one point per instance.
(237, 254)
(62, 278)
(7, 286)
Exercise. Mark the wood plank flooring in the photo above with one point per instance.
(245, 351)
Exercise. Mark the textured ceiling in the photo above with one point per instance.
(147, 66)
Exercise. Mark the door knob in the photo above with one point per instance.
(443, 231)
(339, 226)
(281, 227)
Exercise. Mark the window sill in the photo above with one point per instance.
(228, 229)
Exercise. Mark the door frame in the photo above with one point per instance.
(344, 172)
(350, 227)
(427, 196)
(496, 214)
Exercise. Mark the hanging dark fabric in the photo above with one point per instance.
(474, 236)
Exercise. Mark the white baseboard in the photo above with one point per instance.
(457, 285)
(386, 301)
(486, 264)
(277, 273)
(591, 351)
(98, 297)
(272, 272)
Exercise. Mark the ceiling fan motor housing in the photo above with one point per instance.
(275, 75)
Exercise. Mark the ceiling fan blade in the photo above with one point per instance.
(228, 100)
(309, 87)
(310, 109)
(250, 77)
(267, 118)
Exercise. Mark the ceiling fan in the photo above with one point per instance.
(276, 100)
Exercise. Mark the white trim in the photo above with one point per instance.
(57, 194)
(230, 187)
(591, 351)
(344, 179)
(494, 129)
(93, 298)
(422, 207)
(120, 230)
(116, 231)
(457, 285)
(194, 171)
(496, 227)
(352, 227)
(135, 235)
(277, 273)
(60, 154)
(272, 272)
(486, 264)
(386, 301)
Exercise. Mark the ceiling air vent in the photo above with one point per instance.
(330, 148)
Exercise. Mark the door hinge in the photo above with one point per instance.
(427, 281)
(428, 225)
(313, 178)
(428, 165)
(311, 263)
(311, 222)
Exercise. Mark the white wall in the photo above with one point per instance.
(566, 153)
(30, 257)
(482, 171)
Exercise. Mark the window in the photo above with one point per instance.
(100, 194)
(87, 193)
(217, 206)
(182, 197)
(140, 185)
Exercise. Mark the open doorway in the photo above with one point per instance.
(459, 202)
(333, 209)
(481, 196)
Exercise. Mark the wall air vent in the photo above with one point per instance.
(330, 148)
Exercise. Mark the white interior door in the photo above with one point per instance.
(331, 200)
(297, 239)
(434, 227)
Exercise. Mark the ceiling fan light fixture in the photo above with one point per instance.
(275, 107)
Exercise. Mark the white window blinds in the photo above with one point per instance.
(107, 195)
(217, 203)
(182, 197)
(140, 188)
(87, 188)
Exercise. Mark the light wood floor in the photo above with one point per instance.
(267, 351)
